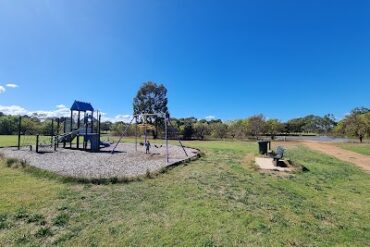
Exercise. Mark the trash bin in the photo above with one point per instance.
(263, 147)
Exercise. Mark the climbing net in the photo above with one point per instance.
(37, 132)
(44, 144)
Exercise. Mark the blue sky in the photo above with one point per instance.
(228, 59)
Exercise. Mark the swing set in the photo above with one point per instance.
(142, 118)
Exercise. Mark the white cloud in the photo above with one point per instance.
(13, 110)
(126, 118)
(61, 106)
(12, 85)
(60, 111)
(209, 118)
(18, 110)
(2, 89)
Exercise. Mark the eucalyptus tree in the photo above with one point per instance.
(151, 98)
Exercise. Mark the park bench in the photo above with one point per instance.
(278, 155)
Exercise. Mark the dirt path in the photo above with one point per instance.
(359, 160)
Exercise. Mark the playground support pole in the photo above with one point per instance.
(99, 121)
(58, 127)
(19, 132)
(52, 127)
(71, 129)
(135, 133)
(55, 143)
(145, 134)
(122, 135)
(78, 127)
(92, 122)
(180, 142)
(52, 132)
(86, 128)
(85, 122)
(64, 129)
(166, 137)
(37, 143)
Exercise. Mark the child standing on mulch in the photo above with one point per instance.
(147, 147)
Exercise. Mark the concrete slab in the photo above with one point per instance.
(268, 164)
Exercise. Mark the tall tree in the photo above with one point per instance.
(273, 127)
(237, 128)
(356, 124)
(151, 99)
(219, 130)
(328, 123)
(256, 125)
(201, 129)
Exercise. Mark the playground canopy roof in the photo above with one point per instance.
(81, 106)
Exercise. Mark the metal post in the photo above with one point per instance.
(37, 143)
(166, 137)
(71, 128)
(135, 133)
(99, 122)
(58, 127)
(52, 132)
(85, 123)
(52, 127)
(78, 127)
(92, 122)
(19, 132)
(145, 134)
(122, 135)
(86, 128)
(178, 139)
(64, 129)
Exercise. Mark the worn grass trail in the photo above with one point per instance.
(356, 158)
(363, 148)
(218, 200)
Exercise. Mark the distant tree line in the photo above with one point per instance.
(355, 125)
(31, 125)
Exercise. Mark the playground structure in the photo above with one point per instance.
(63, 139)
(74, 128)
(81, 128)
(81, 131)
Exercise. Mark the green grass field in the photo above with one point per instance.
(12, 140)
(218, 200)
(8, 140)
(356, 147)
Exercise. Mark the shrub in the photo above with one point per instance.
(61, 219)
(11, 161)
(44, 232)
(3, 221)
(36, 218)
(21, 214)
